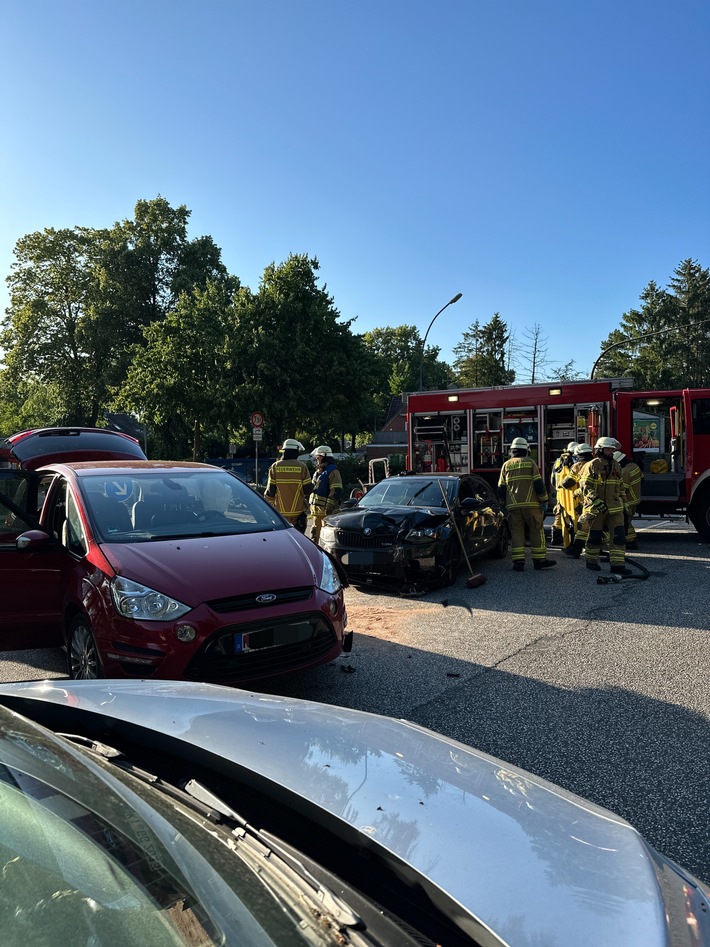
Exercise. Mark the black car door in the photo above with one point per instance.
(30, 580)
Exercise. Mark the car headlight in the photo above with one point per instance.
(422, 535)
(327, 535)
(136, 601)
(329, 580)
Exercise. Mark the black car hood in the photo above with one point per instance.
(386, 519)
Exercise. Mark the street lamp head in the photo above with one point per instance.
(421, 362)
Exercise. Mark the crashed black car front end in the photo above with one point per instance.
(401, 545)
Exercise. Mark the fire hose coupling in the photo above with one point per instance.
(606, 579)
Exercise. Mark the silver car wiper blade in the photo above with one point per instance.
(253, 843)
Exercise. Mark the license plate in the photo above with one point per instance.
(275, 637)
(361, 557)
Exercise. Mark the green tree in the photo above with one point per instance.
(665, 343)
(293, 357)
(79, 299)
(180, 377)
(482, 355)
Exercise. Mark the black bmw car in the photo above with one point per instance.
(403, 530)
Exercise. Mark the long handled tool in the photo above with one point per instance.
(476, 578)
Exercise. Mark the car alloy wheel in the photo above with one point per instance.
(82, 654)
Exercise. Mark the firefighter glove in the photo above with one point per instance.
(598, 506)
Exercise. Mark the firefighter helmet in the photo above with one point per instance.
(618, 456)
(606, 442)
(292, 444)
(518, 443)
(582, 449)
(322, 451)
(571, 446)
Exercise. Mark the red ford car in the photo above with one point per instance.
(156, 569)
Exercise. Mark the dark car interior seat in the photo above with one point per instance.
(157, 499)
(112, 516)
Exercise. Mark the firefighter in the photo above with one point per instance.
(522, 491)
(603, 490)
(563, 523)
(582, 455)
(289, 483)
(632, 476)
(327, 488)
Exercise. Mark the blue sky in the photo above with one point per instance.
(545, 159)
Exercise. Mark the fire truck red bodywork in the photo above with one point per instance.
(666, 432)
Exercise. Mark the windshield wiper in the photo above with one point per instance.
(253, 845)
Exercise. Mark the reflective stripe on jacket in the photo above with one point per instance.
(632, 475)
(285, 486)
(520, 485)
(602, 480)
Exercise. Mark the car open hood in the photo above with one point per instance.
(198, 569)
(389, 517)
(499, 849)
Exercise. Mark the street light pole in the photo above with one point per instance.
(421, 363)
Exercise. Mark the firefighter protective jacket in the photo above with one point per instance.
(602, 480)
(288, 484)
(520, 485)
(327, 490)
(632, 476)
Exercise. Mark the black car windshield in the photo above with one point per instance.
(409, 491)
(146, 506)
(96, 857)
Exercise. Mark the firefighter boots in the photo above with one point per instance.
(593, 566)
(574, 550)
(621, 570)
(518, 567)
(543, 563)
(556, 538)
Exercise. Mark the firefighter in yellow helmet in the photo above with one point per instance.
(289, 484)
(603, 490)
(522, 491)
(327, 488)
(632, 476)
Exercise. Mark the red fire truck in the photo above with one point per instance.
(666, 432)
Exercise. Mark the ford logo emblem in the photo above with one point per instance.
(366, 532)
(266, 598)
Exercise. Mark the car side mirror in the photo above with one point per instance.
(33, 541)
(349, 503)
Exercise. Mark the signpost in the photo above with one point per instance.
(257, 424)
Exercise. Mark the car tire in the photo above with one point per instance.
(83, 663)
(502, 545)
(451, 571)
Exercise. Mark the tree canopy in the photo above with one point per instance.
(137, 317)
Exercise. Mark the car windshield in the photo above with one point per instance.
(96, 857)
(144, 507)
(409, 491)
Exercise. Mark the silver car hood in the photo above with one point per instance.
(519, 856)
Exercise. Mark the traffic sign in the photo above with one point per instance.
(257, 419)
(257, 433)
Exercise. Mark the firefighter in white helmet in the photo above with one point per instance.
(289, 484)
(522, 490)
(603, 490)
(327, 488)
(582, 455)
(632, 476)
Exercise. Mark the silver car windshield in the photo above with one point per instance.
(409, 491)
(96, 857)
(142, 507)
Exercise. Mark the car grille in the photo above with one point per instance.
(278, 646)
(352, 539)
(238, 603)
